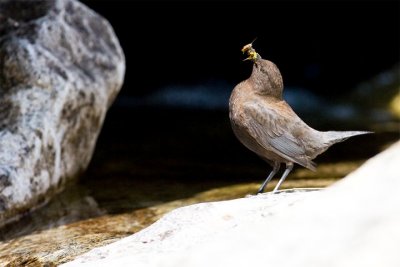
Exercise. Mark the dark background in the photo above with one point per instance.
(327, 46)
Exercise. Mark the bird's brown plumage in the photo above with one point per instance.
(268, 126)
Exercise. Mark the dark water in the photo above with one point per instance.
(147, 156)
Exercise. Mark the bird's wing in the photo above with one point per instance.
(271, 130)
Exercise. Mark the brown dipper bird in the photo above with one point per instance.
(268, 126)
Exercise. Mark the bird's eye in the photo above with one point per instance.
(264, 70)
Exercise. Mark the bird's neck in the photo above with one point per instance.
(265, 88)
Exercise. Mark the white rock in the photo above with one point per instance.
(61, 66)
(355, 222)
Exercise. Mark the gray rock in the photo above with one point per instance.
(355, 222)
(61, 66)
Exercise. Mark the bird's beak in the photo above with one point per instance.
(248, 58)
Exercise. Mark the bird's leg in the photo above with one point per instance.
(275, 169)
(289, 167)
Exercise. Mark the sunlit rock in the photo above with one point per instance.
(61, 66)
(352, 223)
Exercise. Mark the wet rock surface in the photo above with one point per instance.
(352, 223)
(61, 67)
(59, 244)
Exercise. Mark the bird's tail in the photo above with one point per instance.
(336, 136)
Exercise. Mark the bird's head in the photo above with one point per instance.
(265, 77)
